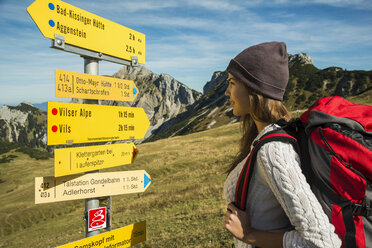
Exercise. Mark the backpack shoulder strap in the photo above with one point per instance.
(242, 185)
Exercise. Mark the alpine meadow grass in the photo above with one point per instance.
(183, 206)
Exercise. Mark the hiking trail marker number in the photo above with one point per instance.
(87, 86)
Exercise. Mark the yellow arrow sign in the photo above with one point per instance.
(91, 185)
(122, 237)
(69, 161)
(86, 30)
(86, 86)
(70, 123)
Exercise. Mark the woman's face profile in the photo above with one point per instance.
(239, 96)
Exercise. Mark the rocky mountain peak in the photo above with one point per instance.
(13, 115)
(162, 96)
(301, 58)
(131, 73)
(217, 77)
(16, 123)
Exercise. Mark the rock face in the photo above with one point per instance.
(11, 120)
(23, 124)
(301, 58)
(161, 96)
(211, 110)
(217, 77)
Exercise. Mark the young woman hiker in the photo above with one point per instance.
(280, 210)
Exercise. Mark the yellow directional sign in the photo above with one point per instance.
(70, 123)
(90, 185)
(69, 161)
(122, 237)
(87, 86)
(86, 30)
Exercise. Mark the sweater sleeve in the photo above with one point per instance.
(279, 165)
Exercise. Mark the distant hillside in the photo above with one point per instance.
(23, 124)
(174, 109)
(306, 84)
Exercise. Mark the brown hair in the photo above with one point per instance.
(263, 109)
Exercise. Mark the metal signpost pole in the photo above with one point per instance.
(90, 67)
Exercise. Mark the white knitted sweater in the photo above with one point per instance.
(280, 199)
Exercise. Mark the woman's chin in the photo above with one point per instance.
(236, 113)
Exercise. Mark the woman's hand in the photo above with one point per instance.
(238, 222)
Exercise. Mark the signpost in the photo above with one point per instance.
(86, 30)
(70, 123)
(94, 38)
(69, 161)
(122, 237)
(92, 185)
(86, 86)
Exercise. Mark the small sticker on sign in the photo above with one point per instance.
(97, 219)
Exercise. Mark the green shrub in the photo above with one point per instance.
(301, 98)
(7, 158)
(6, 146)
(35, 153)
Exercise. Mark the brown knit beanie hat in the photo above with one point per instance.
(263, 68)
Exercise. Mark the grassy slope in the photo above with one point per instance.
(183, 207)
(364, 98)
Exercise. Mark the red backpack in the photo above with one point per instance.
(334, 140)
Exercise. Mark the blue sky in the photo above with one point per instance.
(187, 39)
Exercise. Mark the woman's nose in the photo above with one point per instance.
(227, 92)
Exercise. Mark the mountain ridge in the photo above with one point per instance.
(306, 84)
(174, 109)
(161, 96)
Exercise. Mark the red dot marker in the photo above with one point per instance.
(54, 129)
(54, 111)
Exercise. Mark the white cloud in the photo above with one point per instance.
(187, 39)
(133, 6)
(357, 4)
(215, 5)
(340, 3)
(130, 6)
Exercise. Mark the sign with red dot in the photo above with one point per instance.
(70, 123)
